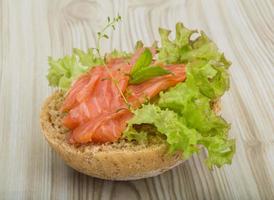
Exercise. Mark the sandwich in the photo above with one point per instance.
(130, 115)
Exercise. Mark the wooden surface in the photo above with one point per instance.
(33, 29)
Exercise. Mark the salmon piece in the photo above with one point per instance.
(77, 115)
(96, 74)
(106, 128)
(100, 95)
(70, 100)
(97, 110)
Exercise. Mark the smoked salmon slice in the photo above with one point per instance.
(97, 111)
(70, 100)
(105, 128)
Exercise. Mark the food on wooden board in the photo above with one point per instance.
(129, 115)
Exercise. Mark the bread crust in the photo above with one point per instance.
(112, 163)
(105, 161)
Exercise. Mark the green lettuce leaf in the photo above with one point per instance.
(179, 136)
(64, 71)
(88, 58)
(182, 137)
(183, 113)
(171, 51)
(186, 99)
(119, 54)
(139, 136)
(202, 57)
(212, 81)
(220, 150)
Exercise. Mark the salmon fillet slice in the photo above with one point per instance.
(96, 109)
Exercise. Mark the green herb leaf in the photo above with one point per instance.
(147, 73)
(141, 71)
(139, 44)
(105, 36)
(102, 33)
(118, 18)
(144, 60)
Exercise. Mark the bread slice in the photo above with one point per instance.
(122, 160)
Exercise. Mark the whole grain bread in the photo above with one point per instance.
(121, 160)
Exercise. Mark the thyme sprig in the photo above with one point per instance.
(102, 34)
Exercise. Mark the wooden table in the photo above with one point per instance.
(31, 30)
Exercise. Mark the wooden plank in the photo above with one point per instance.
(31, 30)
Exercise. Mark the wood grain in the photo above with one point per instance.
(31, 30)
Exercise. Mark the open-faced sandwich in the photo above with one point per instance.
(130, 115)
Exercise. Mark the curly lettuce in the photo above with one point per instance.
(202, 57)
(180, 136)
(169, 123)
(119, 54)
(186, 100)
(183, 113)
(64, 71)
